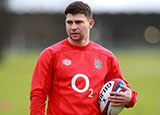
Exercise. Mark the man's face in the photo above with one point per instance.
(78, 26)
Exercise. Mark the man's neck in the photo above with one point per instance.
(83, 42)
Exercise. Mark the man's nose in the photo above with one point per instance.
(74, 26)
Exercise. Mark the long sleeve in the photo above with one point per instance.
(115, 72)
(41, 83)
(133, 100)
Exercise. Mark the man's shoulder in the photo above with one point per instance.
(100, 49)
(57, 47)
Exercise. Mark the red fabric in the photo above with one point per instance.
(133, 100)
(71, 77)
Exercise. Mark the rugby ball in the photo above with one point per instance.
(105, 105)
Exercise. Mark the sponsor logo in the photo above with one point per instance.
(67, 62)
(86, 87)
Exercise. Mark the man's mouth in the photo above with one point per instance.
(74, 34)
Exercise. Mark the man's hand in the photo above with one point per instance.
(121, 98)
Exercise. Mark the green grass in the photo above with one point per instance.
(15, 79)
(140, 68)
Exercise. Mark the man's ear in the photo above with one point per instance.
(91, 23)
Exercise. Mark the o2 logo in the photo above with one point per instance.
(86, 85)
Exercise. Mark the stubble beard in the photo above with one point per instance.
(76, 38)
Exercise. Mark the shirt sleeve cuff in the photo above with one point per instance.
(133, 100)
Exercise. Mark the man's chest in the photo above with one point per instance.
(70, 66)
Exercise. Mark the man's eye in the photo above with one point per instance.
(78, 22)
(69, 22)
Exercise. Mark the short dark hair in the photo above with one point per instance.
(79, 7)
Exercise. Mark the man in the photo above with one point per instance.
(72, 72)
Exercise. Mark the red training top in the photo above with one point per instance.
(72, 76)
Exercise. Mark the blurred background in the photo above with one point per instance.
(129, 28)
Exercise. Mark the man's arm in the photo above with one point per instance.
(127, 98)
(41, 83)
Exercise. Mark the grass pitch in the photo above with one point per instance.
(140, 68)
